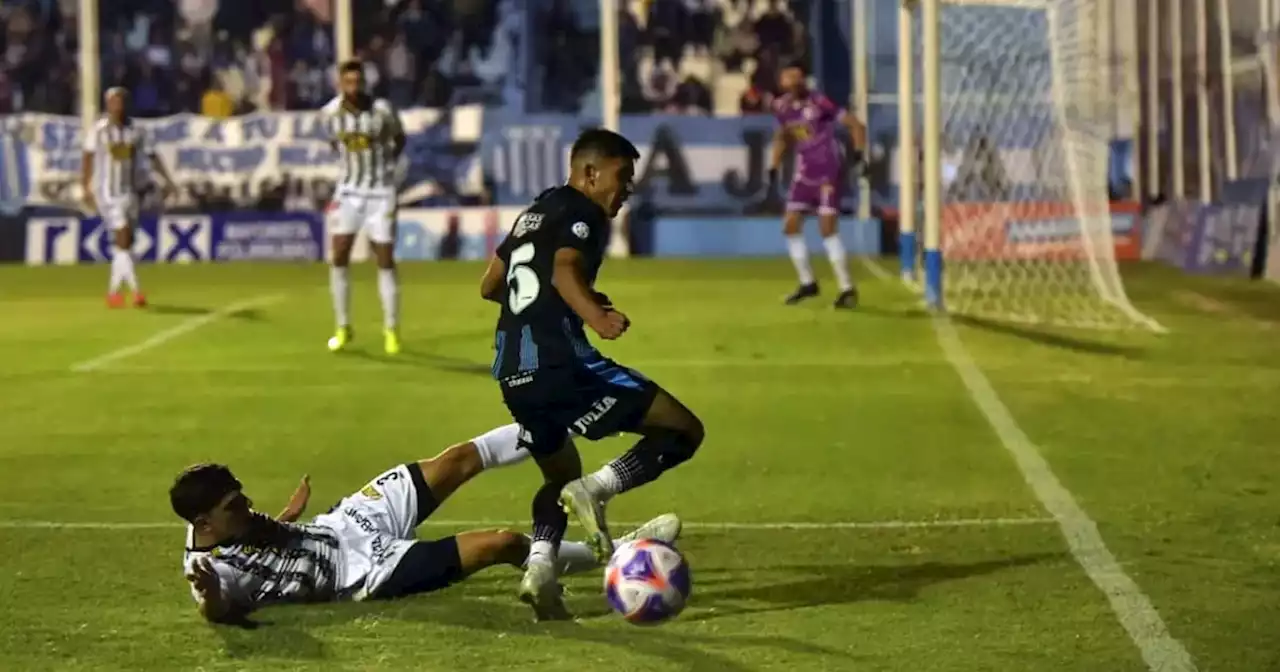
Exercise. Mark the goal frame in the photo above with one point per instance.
(927, 246)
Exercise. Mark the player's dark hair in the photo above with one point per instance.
(602, 143)
(795, 63)
(351, 65)
(199, 488)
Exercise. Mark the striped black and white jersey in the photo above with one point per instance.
(277, 563)
(365, 135)
(118, 152)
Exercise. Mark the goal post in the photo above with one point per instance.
(1017, 121)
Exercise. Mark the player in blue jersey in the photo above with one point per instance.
(553, 380)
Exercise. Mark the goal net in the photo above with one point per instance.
(1027, 119)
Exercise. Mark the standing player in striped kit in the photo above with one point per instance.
(369, 138)
(111, 173)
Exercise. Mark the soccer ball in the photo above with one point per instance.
(647, 581)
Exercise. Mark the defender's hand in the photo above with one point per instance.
(297, 503)
(205, 580)
(89, 202)
(612, 325)
(604, 300)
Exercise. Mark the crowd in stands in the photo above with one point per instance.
(225, 57)
(707, 56)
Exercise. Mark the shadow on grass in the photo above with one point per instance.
(251, 314)
(423, 360)
(726, 593)
(168, 309)
(900, 312)
(1049, 339)
(486, 605)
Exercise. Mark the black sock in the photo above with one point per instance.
(650, 457)
(549, 519)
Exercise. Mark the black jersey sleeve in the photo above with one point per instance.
(579, 233)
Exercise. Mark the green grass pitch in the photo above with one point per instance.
(852, 423)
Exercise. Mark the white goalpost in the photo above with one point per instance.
(1018, 114)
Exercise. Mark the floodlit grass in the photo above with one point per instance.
(1168, 442)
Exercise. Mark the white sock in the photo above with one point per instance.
(340, 288)
(605, 482)
(117, 270)
(576, 558)
(389, 290)
(125, 259)
(800, 258)
(541, 552)
(839, 261)
(500, 447)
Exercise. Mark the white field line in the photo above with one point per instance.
(691, 525)
(1139, 618)
(173, 332)
(727, 363)
(876, 269)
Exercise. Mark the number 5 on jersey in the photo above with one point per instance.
(522, 281)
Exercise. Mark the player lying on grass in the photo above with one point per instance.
(238, 559)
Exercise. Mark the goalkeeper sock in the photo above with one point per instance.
(340, 287)
(839, 261)
(800, 258)
(500, 447)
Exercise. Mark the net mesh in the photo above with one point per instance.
(1027, 231)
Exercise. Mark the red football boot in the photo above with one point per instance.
(115, 300)
(139, 300)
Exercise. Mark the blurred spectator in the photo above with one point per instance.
(774, 29)
(703, 17)
(400, 72)
(666, 31)
(753, 101)
(707, 56)
(216, 102)
(692, 97)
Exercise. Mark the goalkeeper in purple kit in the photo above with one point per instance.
(810, 120)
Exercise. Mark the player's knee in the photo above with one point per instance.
(679, 444)
(693, 433)
(462, 460)
(446, 472)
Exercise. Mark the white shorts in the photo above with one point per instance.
(375, 527)
(348, 213)
(118, 214)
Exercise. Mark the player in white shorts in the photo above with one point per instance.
(111, 176)
(369, 138)
(238, 559)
